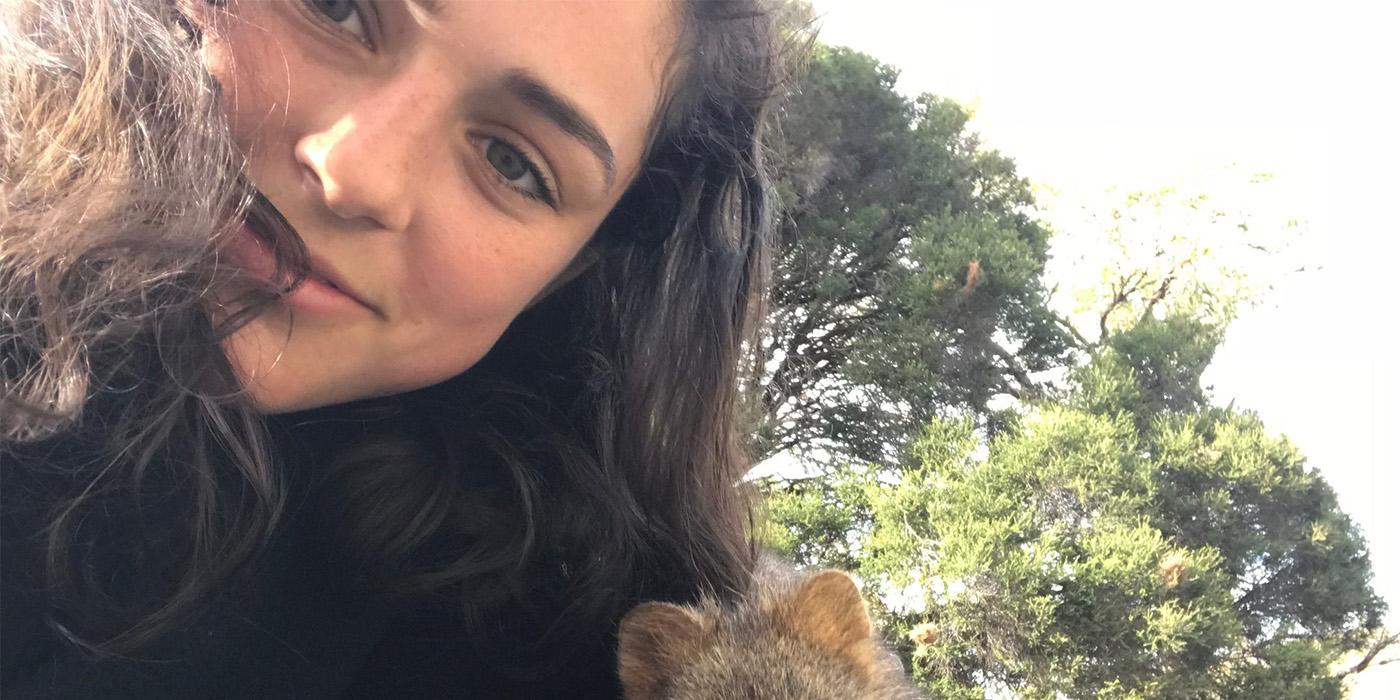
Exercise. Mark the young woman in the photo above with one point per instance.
(369, 347)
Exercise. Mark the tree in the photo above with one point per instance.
(907, 276)
(1075, 518)
(1109, 545)
(1087, 556)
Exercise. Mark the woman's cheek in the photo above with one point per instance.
(460, 322)
(482, 273)
(253, 88)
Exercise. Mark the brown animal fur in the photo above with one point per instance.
(974, 277)
(805, 637)
(1172, 569)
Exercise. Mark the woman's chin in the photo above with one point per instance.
(273, 379)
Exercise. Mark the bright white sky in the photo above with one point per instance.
(1193, 94)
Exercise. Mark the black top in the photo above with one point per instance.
(295, 625)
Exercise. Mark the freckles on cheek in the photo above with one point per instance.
(450, 312)
(470, 283)
(450, 325)
(433, 352)
(456, 322)
(254, 72)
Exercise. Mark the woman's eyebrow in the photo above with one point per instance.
(538, 97)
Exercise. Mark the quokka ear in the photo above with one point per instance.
(655, 641)
(826, 611)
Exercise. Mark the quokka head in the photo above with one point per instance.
(811, 639)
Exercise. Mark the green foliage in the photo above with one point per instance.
(1043, 506)
(819, 522)
(1096, 551)
(906, 261)
(1299, 565)
(909, 273)
(1168, 357)
(1286, 670)
(1162, 254)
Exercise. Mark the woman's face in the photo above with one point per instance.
(443, 161)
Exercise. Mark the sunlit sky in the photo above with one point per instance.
(1091, 95)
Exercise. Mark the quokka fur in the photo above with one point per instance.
(794, 636)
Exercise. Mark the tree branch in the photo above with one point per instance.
(1014, 368)
(1380, 645)
(1157, 296)
(1084, 343)
(1257, 590)
(786, 483)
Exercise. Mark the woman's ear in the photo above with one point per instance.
(581, 262)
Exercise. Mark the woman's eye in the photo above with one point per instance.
(516, 169)
(345, 15)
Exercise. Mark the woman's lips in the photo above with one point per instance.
(316, 293)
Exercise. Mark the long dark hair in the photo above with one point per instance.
(596, 446)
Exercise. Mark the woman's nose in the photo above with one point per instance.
(363, 163)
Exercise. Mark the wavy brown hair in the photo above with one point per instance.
(118, 181)
(592, 457)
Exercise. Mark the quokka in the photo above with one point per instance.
(795, 636)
